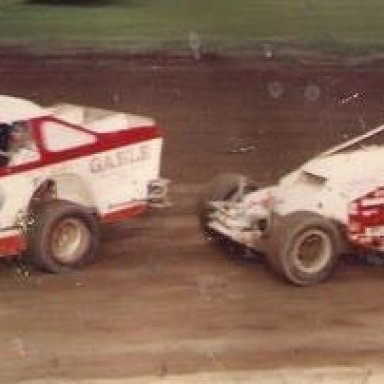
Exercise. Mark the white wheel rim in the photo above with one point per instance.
(69, 241)
(312, 251)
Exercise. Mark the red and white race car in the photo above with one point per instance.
(331, 205)
(67, 168)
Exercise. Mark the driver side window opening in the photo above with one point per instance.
(4, 143)
(17, 146)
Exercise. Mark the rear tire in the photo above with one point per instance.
(304, 248)
(63, 236)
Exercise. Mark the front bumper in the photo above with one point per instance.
(238, 224)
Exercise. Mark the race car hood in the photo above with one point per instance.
(342, 165)
(16, 109)
(363, 167)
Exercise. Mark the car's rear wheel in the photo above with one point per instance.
(304, 248)
(224, 187)
(62, 236)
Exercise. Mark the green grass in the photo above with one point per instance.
(221, 24)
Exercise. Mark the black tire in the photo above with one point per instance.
(223, 187)
(304, 248)
(63, 236)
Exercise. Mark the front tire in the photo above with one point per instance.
(304, 248)
(224, 187)
(63, 236)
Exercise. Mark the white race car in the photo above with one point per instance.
(331, 205)
(67, 168)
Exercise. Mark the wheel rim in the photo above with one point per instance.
(70, 239)
(312, 251)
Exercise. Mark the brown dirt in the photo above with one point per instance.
(161, 300)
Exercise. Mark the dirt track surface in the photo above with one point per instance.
(160, 300)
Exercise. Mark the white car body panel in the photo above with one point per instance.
(15, 109)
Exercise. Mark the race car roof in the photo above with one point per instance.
(16, 109)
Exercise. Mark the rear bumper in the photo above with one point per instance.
(158, 193)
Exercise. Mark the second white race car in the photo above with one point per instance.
(332, 204)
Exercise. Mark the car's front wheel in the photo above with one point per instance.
(225, 187)
(304, 247)
(62, 236)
